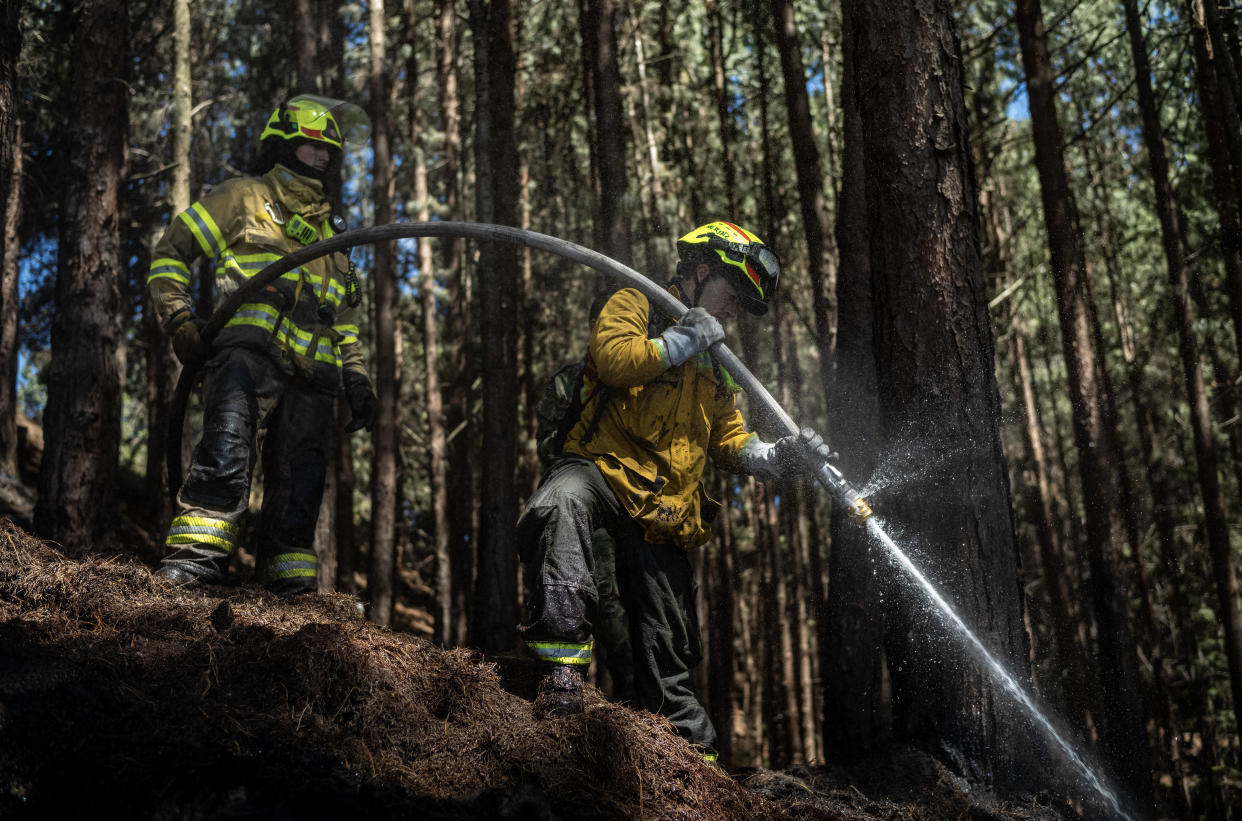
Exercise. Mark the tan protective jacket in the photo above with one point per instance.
(659, 424)
(241, 226)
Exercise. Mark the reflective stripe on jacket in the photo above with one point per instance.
(240, 226)
(659, 426)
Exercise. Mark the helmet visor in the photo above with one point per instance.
(763, 267)
(354, 124)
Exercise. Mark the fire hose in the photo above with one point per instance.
(827, 474)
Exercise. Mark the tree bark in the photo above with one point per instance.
(10, 213)
(380, 581)
(82, 421)
(934, 364)
(724, 114)
(1224, 188)
(496, 160)
(598, 25)
(458, 326)
(1215, 520)
(721, 637)
(821, 271)
(437, 450)
(1123, 740)
(162, 368)
(854, 707)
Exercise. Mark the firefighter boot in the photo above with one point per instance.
(194, 565)
(560, 692)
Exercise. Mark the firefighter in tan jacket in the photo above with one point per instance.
(656, 408)
(274, 370)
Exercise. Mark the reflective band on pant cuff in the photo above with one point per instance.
(561, 652)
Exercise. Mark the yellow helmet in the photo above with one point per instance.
(752, 268)
(322, 119)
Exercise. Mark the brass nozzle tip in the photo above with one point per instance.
(860, 511)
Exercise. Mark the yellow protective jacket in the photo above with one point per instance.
(302, 318)
(659, 424)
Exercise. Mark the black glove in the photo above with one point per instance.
(187, 341)
(362, 402)
(801, 454)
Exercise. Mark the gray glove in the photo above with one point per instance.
(787, 458)
(697, 331)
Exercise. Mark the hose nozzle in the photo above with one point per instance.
(844, 493)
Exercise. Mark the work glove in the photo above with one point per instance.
(187, 341)
(362, 402)
(697, 331)
(787, 458)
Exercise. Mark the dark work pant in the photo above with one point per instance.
(248, 398)
(656, 584)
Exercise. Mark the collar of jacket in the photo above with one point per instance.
(299, 194)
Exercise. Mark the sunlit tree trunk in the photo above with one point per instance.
(162, 368)
(1124, 740)
(380, 580)
(496, 161)
(82, 420)
(437, 450)
(10, 214)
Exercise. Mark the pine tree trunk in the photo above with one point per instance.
(938, 398)
(597, 23)
(1124, 740)
(10, 216)
(437, 467)
(343, 500)
(721, 655)
(380, 580)
(724, 115)
(1215, 519)
(1224, 188)
(854, 708)
(458, 326)
(82, 419)
(496, 162)
(821, 271)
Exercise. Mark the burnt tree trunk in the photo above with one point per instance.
(854, 709)
(82, 421)
(938, 398)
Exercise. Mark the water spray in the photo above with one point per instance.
(843, 493)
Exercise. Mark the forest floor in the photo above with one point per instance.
(118, 691)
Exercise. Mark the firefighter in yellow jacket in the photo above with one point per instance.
(274, 370)
(657, 407)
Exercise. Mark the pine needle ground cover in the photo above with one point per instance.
(120, 693)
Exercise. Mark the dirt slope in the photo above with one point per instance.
(119, 693)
